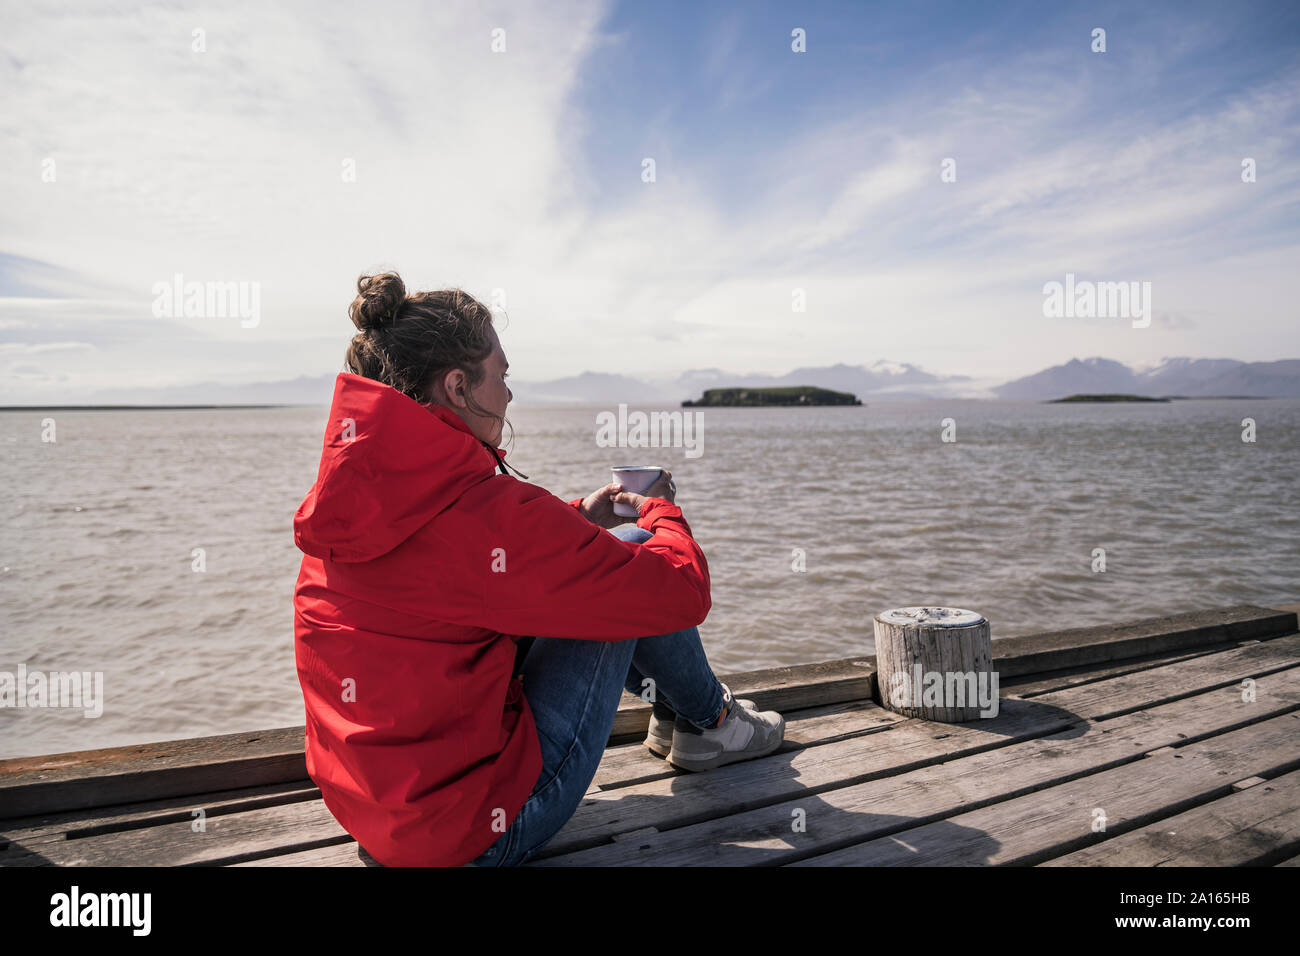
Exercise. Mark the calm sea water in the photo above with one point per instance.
(100, 527)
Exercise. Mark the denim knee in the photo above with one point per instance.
(631, 532)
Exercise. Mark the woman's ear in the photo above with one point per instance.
(452, 388)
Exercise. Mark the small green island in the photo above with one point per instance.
(787, 395)
(1107, 398)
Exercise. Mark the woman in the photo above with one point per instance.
(437, 733)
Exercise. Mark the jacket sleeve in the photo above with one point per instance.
(544, 570)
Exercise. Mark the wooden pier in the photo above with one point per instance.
(1172, 741)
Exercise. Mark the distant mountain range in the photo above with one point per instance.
(883, 380)
(880, 382)
(304, 390)
(1192, 378)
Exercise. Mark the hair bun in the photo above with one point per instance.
(378, 299)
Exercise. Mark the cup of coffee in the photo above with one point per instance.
(636, 479)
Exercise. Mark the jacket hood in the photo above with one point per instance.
(389, 465)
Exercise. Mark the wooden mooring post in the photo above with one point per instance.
(935, 663)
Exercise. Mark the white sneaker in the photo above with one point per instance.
(744, 735)
(659, 735)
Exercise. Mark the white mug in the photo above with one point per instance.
(636, 479)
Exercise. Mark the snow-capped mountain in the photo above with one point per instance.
(1076, 376)
(880, 381)
(1188, 377)
(1180, 376)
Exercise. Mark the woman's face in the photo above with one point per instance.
(492, 395)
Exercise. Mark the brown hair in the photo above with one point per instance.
(411, 342)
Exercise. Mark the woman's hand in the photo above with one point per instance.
(598, 507)
(664, 487)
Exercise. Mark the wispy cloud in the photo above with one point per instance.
(521, 171)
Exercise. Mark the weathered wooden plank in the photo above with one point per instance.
(806, 728)
(1033, 686)
(340, 854)
(691, 798)
(169, 840)
(909, 745)
(623, 764)
(227, 838)
(1115, 696)
(1035, 827)
(783, 688)
(833, 818)
(1228, 832)
(628, 764)
(1251, 827)
(1227, 667)
(230, 842)
(1088, 645)
(76, 824)
(774, 688)
(96, 778)
(798, 684)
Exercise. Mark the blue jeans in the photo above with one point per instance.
(573, 689)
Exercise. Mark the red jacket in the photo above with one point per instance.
(421, 566)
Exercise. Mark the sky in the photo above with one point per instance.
(502, 148)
